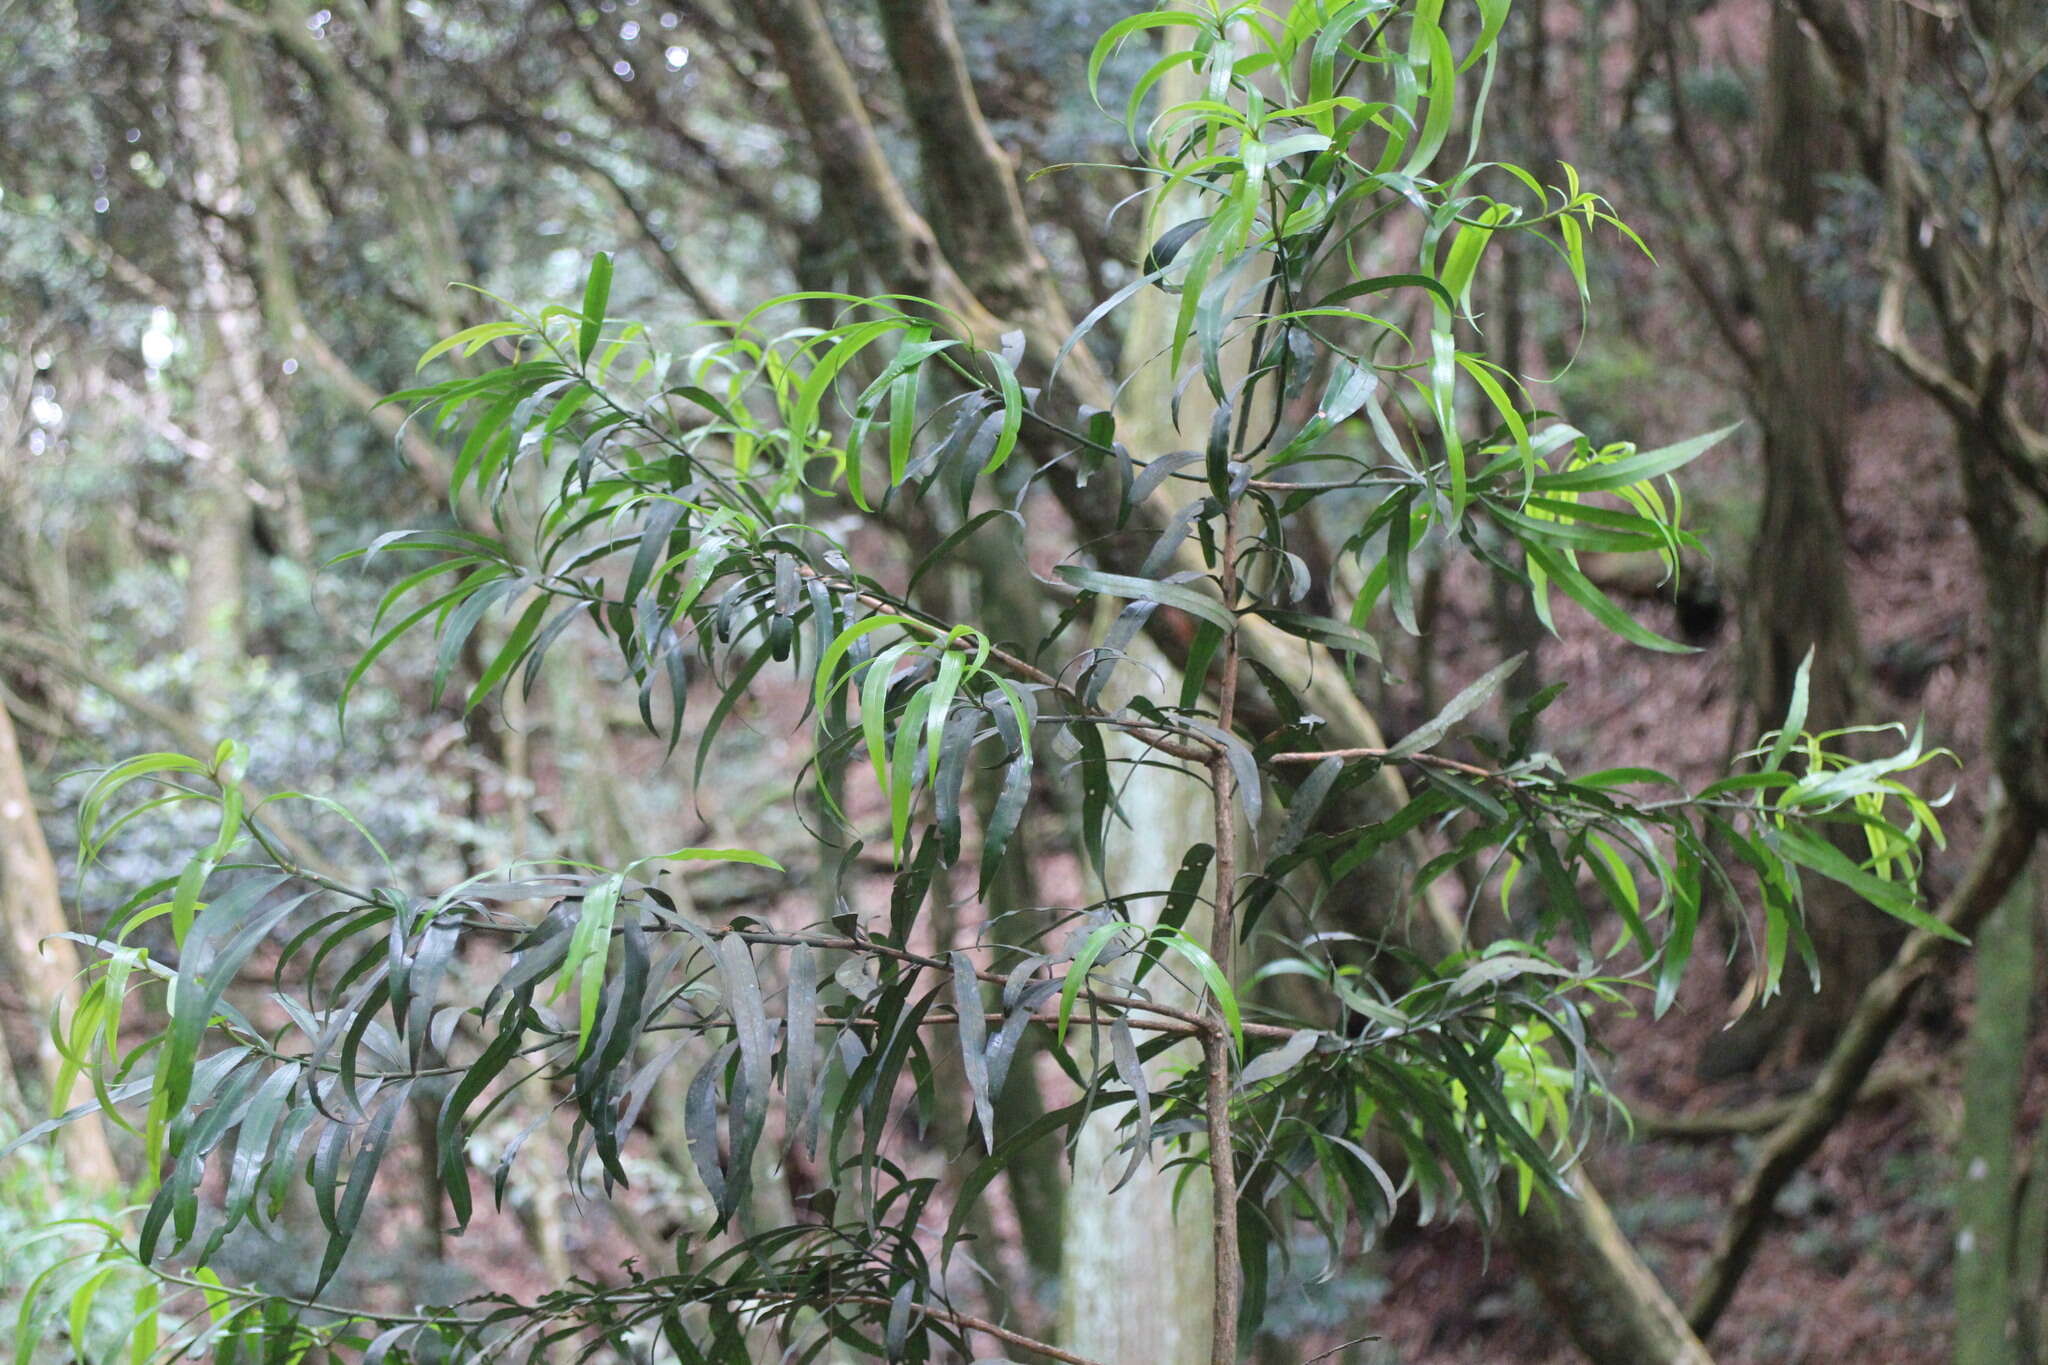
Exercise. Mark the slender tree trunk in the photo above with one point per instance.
(1994, 1075)
(1799, 560)
(218, 513)
(1152, 1234)
(1137, 1281)
(43, 968)
(221, 309)
(2030, 1251)
(2010, 528)
(1526, 57)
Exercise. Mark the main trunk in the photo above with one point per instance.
(1136, 1274)
(1137, 1267)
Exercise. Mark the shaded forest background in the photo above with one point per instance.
(226, 230)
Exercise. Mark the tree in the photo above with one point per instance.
(692, 506)
(1756, 197)
(1945, 122)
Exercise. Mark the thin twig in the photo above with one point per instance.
(965, 1322)
(1197, 749)
(1422, 760)
(1229, 1271)
(1222, 1202)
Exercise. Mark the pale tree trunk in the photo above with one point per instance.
(1994, 1078)
(216, 308)
(218, 512)
(247, 330)
(1138, 1274)
(44, 969)
(240, 448)
(14, 1110)
(1135, 1273)
(1136, 1268)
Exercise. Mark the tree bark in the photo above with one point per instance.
(1146, 1223)
(220, 309)
(983, 229)
(1994, 1077)
(2030, 1251)
(1592, 1278)
(854, 175)
(1798, 599)
(44, 968)
(1798, 583)
(1155, 1226)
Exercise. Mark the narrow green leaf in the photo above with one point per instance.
(1582, 590)
(1606, 475)
(509, 654)
(1124, 1052)
(1131, 589)
(973, 1044)
(1464, 704)
(597, 292)
(1795, 716)
(1219, 986)
(1084, 960)
(1280, 1060)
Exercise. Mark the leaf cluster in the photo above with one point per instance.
(693, 506)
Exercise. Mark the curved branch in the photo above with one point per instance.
(1766, 1116)
(854, 170)
(2008, 843)
(984, 229)
(1609, 1300)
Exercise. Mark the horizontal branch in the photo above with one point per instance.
(1382, 755)
(1196, 749)
(1749, 1120)
(964, 1321)
(1199, 1022)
